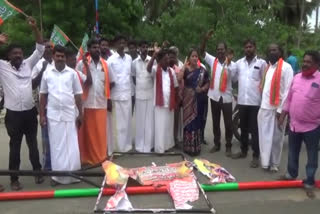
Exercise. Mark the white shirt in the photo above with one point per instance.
(144, 80)
(17, 84)
(96, 96)
(249, 78)
(286, 79)
(120, 68)
(215, 93)
(61, 86)
(37, 68)
(165, 84)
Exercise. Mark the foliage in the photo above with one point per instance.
(182, 22)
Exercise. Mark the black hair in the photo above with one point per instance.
(161, 54)
(143, 42)
(70, 53)
(224, 44)
(102, 39)
(46, 40)
(119, 37)
(171, 51)
(193, 49)
(132, 42)
(92, 42)
(249, 41)
(314, 54)
(230, 51)
(60, 49)
(13, 46)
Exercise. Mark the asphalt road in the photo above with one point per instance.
(293, 201)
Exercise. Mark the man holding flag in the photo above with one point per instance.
(21, 117)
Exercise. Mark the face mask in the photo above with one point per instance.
(309, 72)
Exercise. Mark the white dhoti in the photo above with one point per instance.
(64, 148)
(271, 138)
(144, 140)
(164, 124)
(122, 113)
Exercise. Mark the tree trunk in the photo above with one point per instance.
(302, 8)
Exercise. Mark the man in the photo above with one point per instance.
(249, 71)
(120, 67)
(37, 72)
(133, 52)
(60, 94)
(144, 140)
(274, 86)
(302, 105)
(293, 61)
(96, 92)
(220, 93)
(104, 48)
(21, 116)
(176, 65)
(164, 100)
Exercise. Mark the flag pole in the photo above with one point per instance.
(41, 18)
(17, 9)
(73, 45)
(97, 17)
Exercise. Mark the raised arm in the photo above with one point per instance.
(151, 62)
(204, 42)
(33, 24)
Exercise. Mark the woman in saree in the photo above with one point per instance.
(196, 84)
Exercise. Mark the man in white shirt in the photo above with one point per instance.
(220, 92)
(60, 94)
(248, 72)
(133, 52)
(275, 85)
(37, 73)
(104, 48)
(120, 67)
(21, 116)
(93, 135)
(144, 140)
(165, 87)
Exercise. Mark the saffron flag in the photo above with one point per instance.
(7, 10)
(83, 49)
(58, 37)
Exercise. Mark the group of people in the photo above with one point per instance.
(86, 105)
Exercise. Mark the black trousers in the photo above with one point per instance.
(249, 124)
(226, 108)
(19, 123)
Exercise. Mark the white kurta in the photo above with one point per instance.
(64, 148)
(164, 123)
(270, 137)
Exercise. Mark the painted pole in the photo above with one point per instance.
(87, 192)
(97, 16)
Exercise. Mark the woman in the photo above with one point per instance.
(196, 83)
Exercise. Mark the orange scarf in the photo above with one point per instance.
(106, 81)
(223, 77)
(275, 83)
(159, 89)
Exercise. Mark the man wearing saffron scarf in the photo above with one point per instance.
(165, 99)
(303, 107)
(220, 93)
(275, 85)
(249, 71)
(120, 67)
(96, 92)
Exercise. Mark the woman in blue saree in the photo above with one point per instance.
(196, 84)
